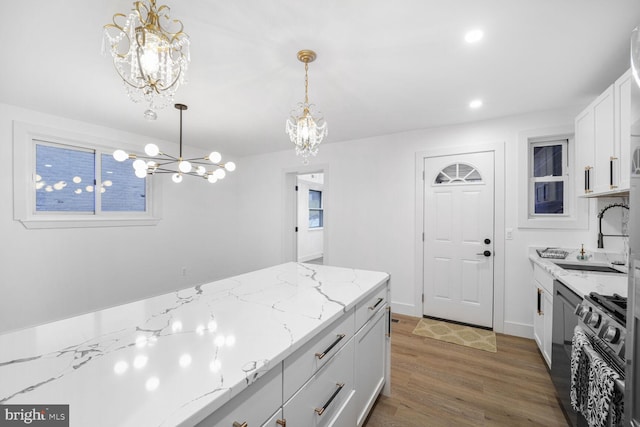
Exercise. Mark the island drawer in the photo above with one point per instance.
(370, 305)
(326, 396)
(304, 363)
(253, 406)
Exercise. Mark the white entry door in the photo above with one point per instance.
(458, 237)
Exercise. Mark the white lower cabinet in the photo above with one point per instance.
(543, 313)
(321, 401)
(331, 381)
(370, 363)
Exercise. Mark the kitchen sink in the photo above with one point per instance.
(588, 267)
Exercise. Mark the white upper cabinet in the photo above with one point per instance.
(603, 141)
(622, 165)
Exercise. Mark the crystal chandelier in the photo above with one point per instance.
(156, 161)
(304, 130)
(150, 53)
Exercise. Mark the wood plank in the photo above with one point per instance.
(434, 383)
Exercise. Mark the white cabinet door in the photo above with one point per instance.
(604, 135)
(622, 163)
(584, 151)
(370, 358)
(595, 144)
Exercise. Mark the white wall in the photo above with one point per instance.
(55, 273)
(310, 240)
(371, 190)
(237, 225)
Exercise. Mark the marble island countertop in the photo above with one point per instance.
(585, 282)
(174, 358)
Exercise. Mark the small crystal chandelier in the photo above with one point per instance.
(305, 131)
(150, 53)
(156, 161)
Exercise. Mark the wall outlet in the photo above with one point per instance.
(508, 234)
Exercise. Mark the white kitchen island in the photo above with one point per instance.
(248, 349)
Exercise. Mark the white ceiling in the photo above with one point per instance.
(383, 66)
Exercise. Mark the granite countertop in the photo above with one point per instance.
(174, 358)
(585, 282)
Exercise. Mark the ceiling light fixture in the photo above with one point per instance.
(473, 36)
(305, 131)
(150, 53)
(476, 103)
(156, 161)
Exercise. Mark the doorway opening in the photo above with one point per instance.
(310, 197)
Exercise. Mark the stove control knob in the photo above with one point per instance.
(611, 334)
(581, 310)
(594, 320)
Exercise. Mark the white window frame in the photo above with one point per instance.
(564, 177)
(320, 209)
(575, 210)
(25, 138)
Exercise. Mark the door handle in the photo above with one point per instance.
(485, 253)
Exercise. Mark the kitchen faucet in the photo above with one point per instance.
(600, 215)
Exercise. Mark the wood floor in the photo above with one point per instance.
(434, 383)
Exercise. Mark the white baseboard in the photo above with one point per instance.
(406, 309)
(518, 329)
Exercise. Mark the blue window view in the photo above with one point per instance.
(64, 180)
(549, 198)
(121, 189)
(547, 161)
(316, 213)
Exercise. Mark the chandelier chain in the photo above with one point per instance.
(306, 83)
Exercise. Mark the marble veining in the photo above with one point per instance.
(585, 282)
(174, 358)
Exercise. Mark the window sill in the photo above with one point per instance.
(316, 229)
(48, 222)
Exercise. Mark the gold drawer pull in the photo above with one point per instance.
(320, 411)
(376, 304)
(324, 353)
(282, 422)
(237, 424)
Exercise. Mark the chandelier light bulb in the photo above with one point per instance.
(212, 179)
(150, 58)
(230, 166)
(151, 150)
(215, 157)
(140, 164)
(200, 170)
(141, 173)
(120, 155)
(177, 178)
(184, 166)
(219, 173)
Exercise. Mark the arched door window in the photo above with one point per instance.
(458, 173)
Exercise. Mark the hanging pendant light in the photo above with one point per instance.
(305, 130)
(207, 167)
(150, 53)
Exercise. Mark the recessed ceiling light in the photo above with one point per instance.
(476, 103)
(473, 36)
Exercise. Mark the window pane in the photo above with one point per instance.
(549, 198)
(315, 199)
(547, 160)
(64, 179)
(121, 189)
(315, 218)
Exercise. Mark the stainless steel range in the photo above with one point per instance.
(605, 317)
